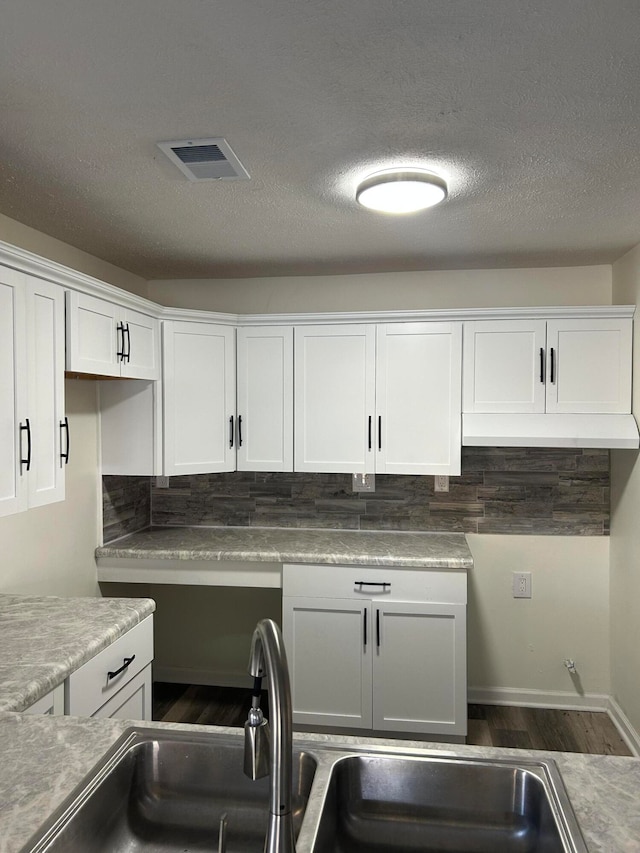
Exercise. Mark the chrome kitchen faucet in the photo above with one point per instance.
(269, 747)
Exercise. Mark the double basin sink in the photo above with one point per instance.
(166, 791)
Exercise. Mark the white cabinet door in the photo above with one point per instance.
(504, 366)
(265, 398)
(13, 390)
(94, 342)
(34, 433)
(106, 339)
(328, 643)
(50, 438)
(419, 668)
(199, 398)
(142, 345)
(418, 405)
(334, 398)
(589, 366)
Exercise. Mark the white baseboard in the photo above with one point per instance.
(538, 699)
(620, 720)
(182, 675)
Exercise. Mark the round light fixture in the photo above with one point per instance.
(401, 191)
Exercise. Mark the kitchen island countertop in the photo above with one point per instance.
(43, 639)
(44, 758)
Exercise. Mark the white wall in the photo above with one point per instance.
(625, 527)
(387, 291)
(50, 550)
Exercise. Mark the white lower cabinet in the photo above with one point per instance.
(117, 681)
(375, 648)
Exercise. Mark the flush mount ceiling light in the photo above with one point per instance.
(401, 191)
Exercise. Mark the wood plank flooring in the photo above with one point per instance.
(489, 725)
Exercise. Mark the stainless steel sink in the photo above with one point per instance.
(164, 790)
(387, 803)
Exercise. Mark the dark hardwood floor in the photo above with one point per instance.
(489, 725)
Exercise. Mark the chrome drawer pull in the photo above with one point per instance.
(126, 663)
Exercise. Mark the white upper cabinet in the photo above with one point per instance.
(34, 432)
(264, 425)
(106, 339)
(589, 366)
(199, 398)
(50, 440)
(335, 398)
(566, 366)
(378, 398)
(418, 390)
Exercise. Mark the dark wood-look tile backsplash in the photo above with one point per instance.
(501, 490)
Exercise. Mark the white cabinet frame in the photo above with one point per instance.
(264, 418)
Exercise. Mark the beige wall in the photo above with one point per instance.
(34, 241)
(50, 550)
(625, 527)
(387, 291)
(521, 644)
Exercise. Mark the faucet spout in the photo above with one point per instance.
(268, 658)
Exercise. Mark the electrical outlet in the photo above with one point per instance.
(441, 483)
(162, 482)
(364, 483)
(521, 584)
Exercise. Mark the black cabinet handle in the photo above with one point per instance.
(127, 662)
(377, 628)
(365, 627)
(26, 428)
(231, 431)
(64, 425)
(370, 422)
(127, 355)
(239, 430)
(120, 330)
(379, 432)
(383, 584)
(553, 366)
(542, 365)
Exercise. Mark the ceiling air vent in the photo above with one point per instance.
(205, 159)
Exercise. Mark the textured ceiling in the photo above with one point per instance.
(529, 108)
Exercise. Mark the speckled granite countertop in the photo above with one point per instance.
(44, 758)
(291, 545)
(43, 639)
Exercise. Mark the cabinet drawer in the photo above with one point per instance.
(89, 687)
(384, 583)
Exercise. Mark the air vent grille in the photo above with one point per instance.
(205, 159)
